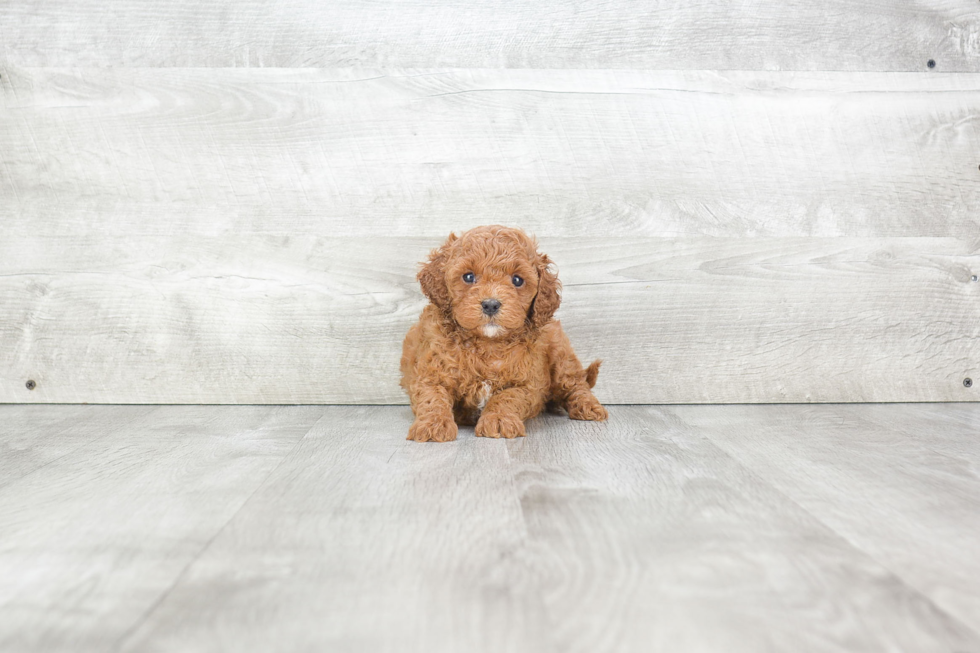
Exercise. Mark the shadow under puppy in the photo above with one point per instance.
(486, 350)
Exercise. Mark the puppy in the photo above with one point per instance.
(486, 350)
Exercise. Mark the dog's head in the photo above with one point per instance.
(492, 282)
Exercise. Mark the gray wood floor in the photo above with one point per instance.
(685, 528)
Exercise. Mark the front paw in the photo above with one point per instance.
(499, 425)
(587, 408)
(433, 429)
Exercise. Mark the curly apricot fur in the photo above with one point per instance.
(461, 365)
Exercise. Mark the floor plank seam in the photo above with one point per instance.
(734, 528)
(527, 547)
(108, 433)
(207, 545)
(844, 538)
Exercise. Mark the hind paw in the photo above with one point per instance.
(586, 408)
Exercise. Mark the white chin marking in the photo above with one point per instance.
(491, 330)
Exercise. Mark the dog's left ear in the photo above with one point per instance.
(432, 276)
(548, 299)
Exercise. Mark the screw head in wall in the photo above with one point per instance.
(967, 382)
(931, 63)
(30, 384)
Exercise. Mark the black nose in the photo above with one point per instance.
(490, 306)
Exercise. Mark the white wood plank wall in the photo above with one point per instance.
(225, 202)
(895, 35)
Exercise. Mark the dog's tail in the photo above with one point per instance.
(592, 373)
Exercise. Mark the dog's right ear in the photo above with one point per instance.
(432, 276)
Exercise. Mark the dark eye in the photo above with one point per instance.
(469, 277)
(518, 282)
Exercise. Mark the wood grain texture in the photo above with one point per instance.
(423, 152)
(263, 318)
(243, 529)
(383, 545)
(91, 541)
(32, 438)
(875, 475)
(671, 34)
(648, 537)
